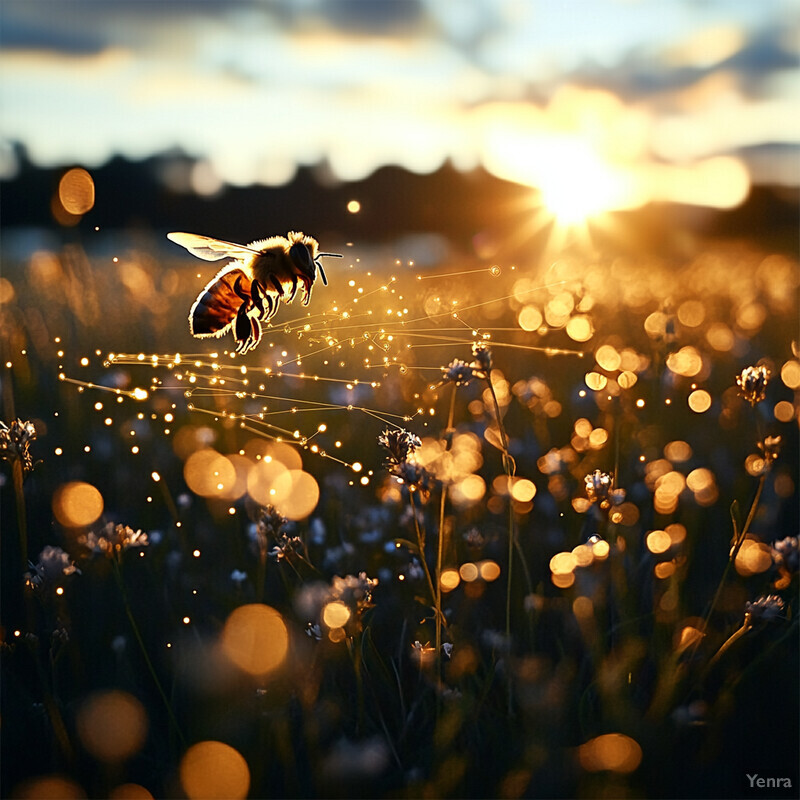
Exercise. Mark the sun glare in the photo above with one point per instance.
(576, 184)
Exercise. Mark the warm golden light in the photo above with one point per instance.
(449, 579)
(214, 771)
(77, 504)
(295, 493)
(112, 726)
(612, 752)
(48, 787)
(335, 614)
(255, 638)
(76, 191)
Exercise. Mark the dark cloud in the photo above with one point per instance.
(374, 16)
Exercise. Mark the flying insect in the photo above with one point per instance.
(248, 291)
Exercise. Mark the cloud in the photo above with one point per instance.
(254, 88)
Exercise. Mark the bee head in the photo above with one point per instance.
(302, 258)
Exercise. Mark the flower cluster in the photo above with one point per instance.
(270, 522)
(336, 608)
(401, 446)
(753, 383)
(285, 545)
(598, 485)
(771, 448)
(113, 540)
(764, 609)
(53, 565)
(355, 591)
(786, 553)
(457, 372)
(15, 441)
(482, 364)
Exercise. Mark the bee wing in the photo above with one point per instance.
(219, 303)
(210, 249)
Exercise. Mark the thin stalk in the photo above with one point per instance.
(747, 626)
(421, 544)
(22, 524)
(140, 641)
(440, 543)
(510, 469)
(738, 542)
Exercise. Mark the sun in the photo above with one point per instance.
(576, 184)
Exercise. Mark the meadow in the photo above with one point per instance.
(465, 528)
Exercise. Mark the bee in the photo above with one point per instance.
(248, 291)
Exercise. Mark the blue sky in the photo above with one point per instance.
(654, 98)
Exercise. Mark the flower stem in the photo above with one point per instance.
(421, 543)
(18, 477)
(746, 627)
(140, 641)
(440, 543)
(738, 542)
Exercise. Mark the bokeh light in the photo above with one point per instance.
(49, 787)
(335, 614)
(77, 504)
(212, 770)
(112, 725)
(76, 191)
(255, 639)
(612, 752)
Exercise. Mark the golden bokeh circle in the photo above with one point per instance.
(255, 639)
(112, 725)
(213, 770)
(76, 191)
(77, 504)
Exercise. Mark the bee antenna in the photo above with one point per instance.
(322, 273)
(329, 255)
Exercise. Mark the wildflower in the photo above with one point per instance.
(598, 487)
(313, 630)
(53, 565)
(457, 372)
(753, 383)
(423, 653)
(764, 609)
(786, 553)
(354, 591)
(270, 522)
(113, 540)
(15, 443)
(285, 545)
(482, 365)
(415, 477)
(771, 448)
(400, 445)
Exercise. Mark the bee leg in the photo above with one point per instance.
(294, 289)
(242, 329)
(255, 334)
(272, 306)
(307, 289)
(277, 285)
(257, 296)
(237, 287)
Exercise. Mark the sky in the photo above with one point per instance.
(599, 104)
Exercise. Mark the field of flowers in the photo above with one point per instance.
(463, 529)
